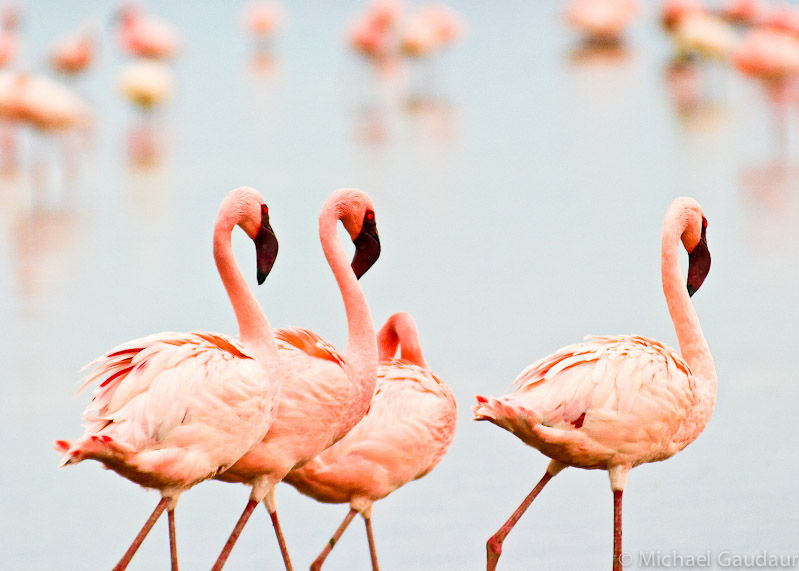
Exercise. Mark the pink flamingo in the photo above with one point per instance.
(429, 29)
(784, 17)
(146, 83)
(673, 11)
(743, 12)
(174, 409)
(372, 34)
(324, 392)
(143, 35)
(73, 54)
(40, 101)
(612, 403)
(406, 432)
(602, 21)
(262, 19)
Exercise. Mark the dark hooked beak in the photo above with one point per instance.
(698, 264)
(367, 246)
(265, 247)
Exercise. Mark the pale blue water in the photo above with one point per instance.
(519, 209)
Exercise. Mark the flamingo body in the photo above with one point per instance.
(585, 405)
(174, 409)
(768, 54)
(601, 20)
(73, 54)
(404, 435)
(145, 36)
(41, 102)
(146, 84)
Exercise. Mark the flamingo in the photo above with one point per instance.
(602, 21)
(673, 11)
(406, 432)
(145, 83)
(325, 392)
(705, 35)
(74, 53)
(261, 19)
(143, 35)
(429, 29)
(743, 12)
(613, 403)
(174, 409)
(40, 101)
(372, 33)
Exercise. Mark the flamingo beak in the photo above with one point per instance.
(698, 264)
(367, 246)
(265, 248)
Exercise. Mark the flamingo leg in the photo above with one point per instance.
(280, 540)
(234, 536)
(372, 549)
(148, 525)
(494, 545)
(617, 494)
(317, 564)
(173, 543)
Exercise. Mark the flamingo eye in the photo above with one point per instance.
(704, 222)
(370, 215)
(264, 209)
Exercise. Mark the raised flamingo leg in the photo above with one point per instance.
(372, 548)
(280, 541)
(148, 525)
(220, 562)
(617, 530)
(317, 564)
(494, 545)
(173, 543)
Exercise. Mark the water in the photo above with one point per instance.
(519, 208)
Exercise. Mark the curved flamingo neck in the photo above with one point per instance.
(255, 331)
(400, 330)
(693, 345)
(361, 349)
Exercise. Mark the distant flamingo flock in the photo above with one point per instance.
(352, 425)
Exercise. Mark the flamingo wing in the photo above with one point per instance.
(193, 401)
(308, 342)
(406, 432)
(608, 395)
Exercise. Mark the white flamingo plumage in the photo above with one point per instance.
(324, 392)
(405, 434)
(174, 409)
(613, 403)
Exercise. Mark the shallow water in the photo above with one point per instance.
(519, 201)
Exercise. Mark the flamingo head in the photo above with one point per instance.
(355, 210)
(694, 239)
(252, 215)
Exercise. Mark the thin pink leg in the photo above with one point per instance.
(220, 562)
(494, 545)
(317, 564)
(372, 549)
(148, 525)
(280, 541)
(617, 530)
(173, 542)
